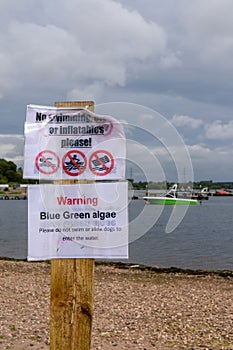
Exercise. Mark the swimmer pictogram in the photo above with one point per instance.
(47, 162)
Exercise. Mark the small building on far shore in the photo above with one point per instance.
(3, 186)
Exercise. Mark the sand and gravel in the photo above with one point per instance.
(133, 309)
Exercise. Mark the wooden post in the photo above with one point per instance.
(71, 301)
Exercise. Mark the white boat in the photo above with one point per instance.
(203, 194)
(170, 198)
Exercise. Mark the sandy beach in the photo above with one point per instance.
(133, 309)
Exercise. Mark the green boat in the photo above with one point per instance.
(170, 198)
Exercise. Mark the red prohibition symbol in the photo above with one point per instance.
(107, 128)
(101, 163)
(74, 163)
(47, 162)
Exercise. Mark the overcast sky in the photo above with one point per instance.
(171, 56)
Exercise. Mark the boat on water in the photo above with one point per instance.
(170, 198)
(224, 193)
(16, 197)
(202, 195)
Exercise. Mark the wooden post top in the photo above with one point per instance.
(85, 104)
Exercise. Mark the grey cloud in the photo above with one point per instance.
(185, 120)
(11, 148)
(219, 130)
(172, 56)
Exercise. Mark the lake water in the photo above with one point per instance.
(203, 239)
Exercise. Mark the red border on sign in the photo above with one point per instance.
(103, 125)
(110, 129)
(80, 170)
(107, 170)
(41, 155)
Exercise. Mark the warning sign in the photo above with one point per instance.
(101, 163)
(76, 141)
(74, 163)
(78, 221)
(47, 162)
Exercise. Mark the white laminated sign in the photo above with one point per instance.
(78, 221)
(72, 143)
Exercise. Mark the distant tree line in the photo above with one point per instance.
(164, 185)
(10, 174)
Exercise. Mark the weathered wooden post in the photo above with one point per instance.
(71, 304)
(71, 269)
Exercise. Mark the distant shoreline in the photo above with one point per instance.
(17, 193)
(141, 267)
